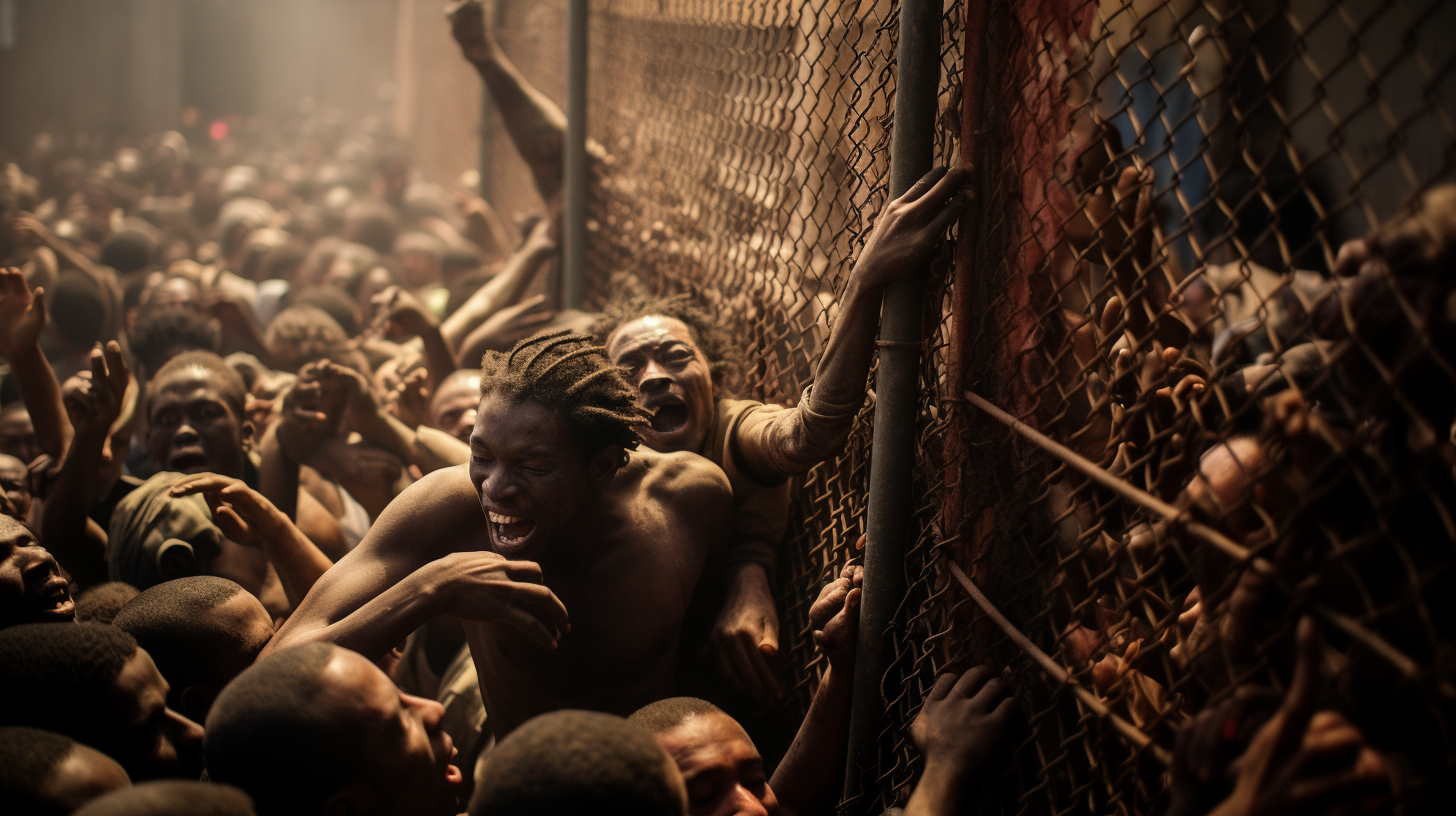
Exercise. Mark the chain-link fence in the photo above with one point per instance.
(1164, 414)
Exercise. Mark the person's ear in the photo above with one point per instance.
(195, 701)
(245, 431)
(605, 464)
(354, 800)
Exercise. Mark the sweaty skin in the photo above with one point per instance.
(620, 549)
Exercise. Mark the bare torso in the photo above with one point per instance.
(625, 578)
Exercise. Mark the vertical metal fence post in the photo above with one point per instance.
(485, 170)
(897, 392)
(573, 261)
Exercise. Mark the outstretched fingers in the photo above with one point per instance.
(201, 482)
(117, 372)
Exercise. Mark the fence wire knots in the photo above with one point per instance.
(1188, 380)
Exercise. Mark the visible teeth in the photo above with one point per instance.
(500, 519)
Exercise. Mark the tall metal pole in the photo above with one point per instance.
(485, 168)
(892, 458)
(573, 262)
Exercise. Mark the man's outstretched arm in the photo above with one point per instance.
(778, 444)
(22, 317)
(408, 570)
(810, 778)
(94, 408)
(536, 125)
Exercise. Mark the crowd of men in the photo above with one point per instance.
(309, 509)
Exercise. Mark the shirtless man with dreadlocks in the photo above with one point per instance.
(672, 355)
(569, 553)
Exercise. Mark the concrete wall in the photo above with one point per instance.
(437, 106)
(119, 66)
(89, 65)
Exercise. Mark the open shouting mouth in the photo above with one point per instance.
(669, 416)
(57, 594)
(510, 534)
(188, 460)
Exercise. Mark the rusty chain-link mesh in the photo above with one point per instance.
(1152, 276)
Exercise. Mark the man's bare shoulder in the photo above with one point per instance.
(682, 476)
(442, 502)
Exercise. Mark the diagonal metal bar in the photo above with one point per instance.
(1372, 641)
(1059, 673)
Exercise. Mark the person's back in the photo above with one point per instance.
(552, 495)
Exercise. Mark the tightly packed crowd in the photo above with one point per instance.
(308, 508)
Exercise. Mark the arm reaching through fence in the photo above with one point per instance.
(720, 765)
(673, 352)
(1303, 761)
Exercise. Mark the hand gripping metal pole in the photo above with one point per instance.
(892, 458)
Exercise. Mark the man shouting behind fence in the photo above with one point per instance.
(666, 345)
(569, 554)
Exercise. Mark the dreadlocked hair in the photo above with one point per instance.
(568, 372)
(708, 333)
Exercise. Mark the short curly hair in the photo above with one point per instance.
(100, 603)
(267, 736)
(708, 333)
(568, 372)
(28, 757)
(665, 715)
(569, 762)
(305, 334)
(63, 672)
(178, 624)
(229, 382)
(161, 334)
